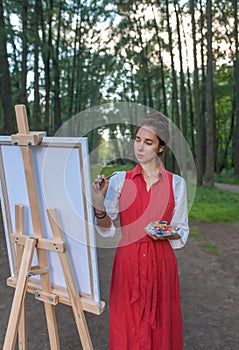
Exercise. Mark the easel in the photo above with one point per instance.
(25, 247)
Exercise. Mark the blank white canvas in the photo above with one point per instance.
(59, 183)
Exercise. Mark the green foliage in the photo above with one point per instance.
(93, 52)
(212, 204)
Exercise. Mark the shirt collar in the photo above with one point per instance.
(138, 170)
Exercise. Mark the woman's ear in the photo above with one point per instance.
(161, 149)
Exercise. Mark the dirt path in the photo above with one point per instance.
(210, 287)
(209, 292)
(228, 187)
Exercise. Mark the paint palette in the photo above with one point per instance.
(160, 228)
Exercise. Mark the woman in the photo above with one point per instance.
(145, 310)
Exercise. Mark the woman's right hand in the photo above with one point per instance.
(99, 189)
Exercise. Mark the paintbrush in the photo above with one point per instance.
(107, 177)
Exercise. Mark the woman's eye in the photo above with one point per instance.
(148, 143)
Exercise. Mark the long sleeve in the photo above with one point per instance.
(180, 214)
(112, 202)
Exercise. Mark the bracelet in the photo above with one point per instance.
(102, 216)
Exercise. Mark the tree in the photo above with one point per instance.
(23, 85)
(36, 102)
(6, 94)
(236, 89)
(161, 64)
(210, 160)
(72, 55)
(196, 92)
(46, 27)
(175, 108)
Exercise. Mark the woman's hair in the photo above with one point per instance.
(160, 124)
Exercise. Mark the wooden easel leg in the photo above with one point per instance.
(49, 309)
(22, 329)
(71, 285)
(52, 326)
(19, 295)
(37, 224)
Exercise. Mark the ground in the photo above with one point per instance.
(209, 278)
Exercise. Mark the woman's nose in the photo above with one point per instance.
(141, 146)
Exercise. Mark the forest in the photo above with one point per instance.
(180, 57)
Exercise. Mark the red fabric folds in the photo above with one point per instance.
(145, 310)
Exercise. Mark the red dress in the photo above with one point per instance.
(145, 310)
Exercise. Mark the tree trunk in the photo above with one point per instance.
(23, 85)
(189, 96)
(196, 93)
(182, 80)
(236, 91)
(175, 113)
(79, 71)
(203, 83)
(182, 95)
(6, 95)
(36, 103)
(175, 108)
(74, 60)
(210, 159)
(47, 42)
(56, 70)
(162, 74)
(227, 143)
(147, 90)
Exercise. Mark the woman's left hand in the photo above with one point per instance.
(157, 237)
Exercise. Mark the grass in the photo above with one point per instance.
(207, 245)
(107, 169)
(213, 204)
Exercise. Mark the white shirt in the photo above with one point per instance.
(180, 213)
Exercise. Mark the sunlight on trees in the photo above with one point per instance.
(60, 57)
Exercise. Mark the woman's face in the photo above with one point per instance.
(146, 145)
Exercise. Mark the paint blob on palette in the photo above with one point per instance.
(160, 228)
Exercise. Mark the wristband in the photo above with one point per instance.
(100, 216)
